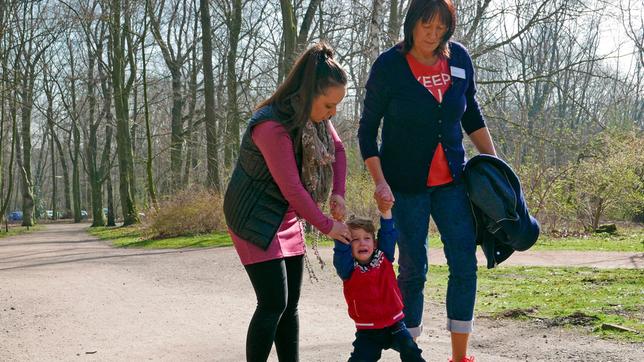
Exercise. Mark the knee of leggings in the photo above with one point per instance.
(291, 308)
(276, 307)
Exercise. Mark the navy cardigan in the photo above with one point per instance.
(413, 122)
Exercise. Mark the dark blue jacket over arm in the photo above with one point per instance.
(503, 224)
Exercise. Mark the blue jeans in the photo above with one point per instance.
(450, 208)
(369, 344)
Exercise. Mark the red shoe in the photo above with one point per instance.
(465, 359)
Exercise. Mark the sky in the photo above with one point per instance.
(614, 39)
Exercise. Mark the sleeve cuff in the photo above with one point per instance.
(366, 154)
(340, 246)
(326, 227)
(386, 224)
(470, 130)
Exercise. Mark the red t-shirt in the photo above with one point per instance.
(436, 79)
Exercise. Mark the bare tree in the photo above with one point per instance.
(176, 51)
(34, 40)
(232, 12)
(120, 41)
(294, 40)
(212, 179)
(148, 135)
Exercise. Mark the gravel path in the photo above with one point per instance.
(65, 296)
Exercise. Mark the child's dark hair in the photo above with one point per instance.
(359, 222)
(312, 74)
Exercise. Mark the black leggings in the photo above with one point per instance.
(277, 285)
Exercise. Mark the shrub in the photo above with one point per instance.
(188, 212)
(604, 181)
(608, 179)
(359, 196)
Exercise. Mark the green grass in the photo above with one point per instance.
(626, 240)
(558, 296)
(132, 237)
(630, 240)
(18, 230)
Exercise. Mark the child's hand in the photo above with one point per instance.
(337, 207)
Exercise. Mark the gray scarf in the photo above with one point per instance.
(318, 155)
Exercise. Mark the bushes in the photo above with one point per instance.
(359, 196)
(188, 212)
(605, 181)
(608, 179)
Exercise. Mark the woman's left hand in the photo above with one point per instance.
(337, 207)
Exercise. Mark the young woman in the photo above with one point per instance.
(290, 160)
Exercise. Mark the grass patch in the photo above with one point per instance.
(18, 230)
(631, 239)
(558, 296)
(133, 237)
(627, 239)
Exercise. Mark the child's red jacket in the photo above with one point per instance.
(371, 290)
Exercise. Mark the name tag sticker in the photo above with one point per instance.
(457, 72)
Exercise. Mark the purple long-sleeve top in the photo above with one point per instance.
(276, 146)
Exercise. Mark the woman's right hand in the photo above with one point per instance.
(384, 197)
(340, 232)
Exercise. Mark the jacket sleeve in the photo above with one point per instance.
(472, 118)
(375, 103)
(387, 237)
(343, 260)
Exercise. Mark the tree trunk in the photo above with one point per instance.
(54, 208)
(133, 142)
(111, 216)
(25, 167)
(209, 93)
(232, 111)
(65, 170)
(305, 27)
(14, 132)
(148, 134)
(176, 147)
(293, 41)
(393, 28)
(76, 190)
(289, 38)
(3, 56)
(120, 93)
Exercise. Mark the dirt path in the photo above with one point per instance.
(66, 296)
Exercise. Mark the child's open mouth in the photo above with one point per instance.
(363, 251)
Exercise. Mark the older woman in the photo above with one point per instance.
(422, 91)
(290, 160)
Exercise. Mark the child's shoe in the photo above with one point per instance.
(465, 359)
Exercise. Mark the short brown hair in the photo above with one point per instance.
(359, 222)
(424, 11)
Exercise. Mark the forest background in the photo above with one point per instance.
(120, 110)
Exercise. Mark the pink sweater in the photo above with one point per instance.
(276, 146)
